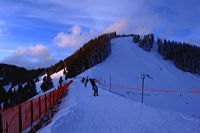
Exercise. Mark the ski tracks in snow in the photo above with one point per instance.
(110, 113)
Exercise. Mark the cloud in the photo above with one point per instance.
(7, 50)
(31, 57)
(120, 27)
(74, 39)
(157, 16)
(38, 50)
(3, 30)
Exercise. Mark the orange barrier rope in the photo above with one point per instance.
(167, 91)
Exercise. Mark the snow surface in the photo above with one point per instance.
(55, 78)
(81, 112)
(7, 87)
(128, 62)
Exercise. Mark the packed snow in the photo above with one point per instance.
(81, 112)
(128, 62)
(55, 79)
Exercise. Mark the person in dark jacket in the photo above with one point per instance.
(83, 80)
(94, 87)
(86, 81)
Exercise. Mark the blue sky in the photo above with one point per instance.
(38, 33)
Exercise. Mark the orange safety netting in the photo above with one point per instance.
(16, 119)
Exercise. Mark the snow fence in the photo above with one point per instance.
(16, 119)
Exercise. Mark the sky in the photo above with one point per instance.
(39, 33)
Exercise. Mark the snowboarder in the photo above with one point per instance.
(94, 87)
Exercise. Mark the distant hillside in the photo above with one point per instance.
(92, 53)
(15, 75)
(184, 56)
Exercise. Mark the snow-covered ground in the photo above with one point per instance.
(128, 62)
(81, 112)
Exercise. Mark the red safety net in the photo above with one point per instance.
(42, 104)
(17, 118)
(26, 114)
(48, 98)
(36, 109)
(11, 119)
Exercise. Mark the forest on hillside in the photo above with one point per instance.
(92, 53)
(184, 55)
(23, 82)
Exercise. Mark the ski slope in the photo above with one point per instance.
(128, 62)
(81, 112)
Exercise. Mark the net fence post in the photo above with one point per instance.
(1, 122)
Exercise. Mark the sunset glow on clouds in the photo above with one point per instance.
(38, 33)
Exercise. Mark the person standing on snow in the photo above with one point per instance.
(83, 80)
(94, 87)
(86, 81)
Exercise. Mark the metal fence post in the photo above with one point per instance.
(110, 83)
(142, 77)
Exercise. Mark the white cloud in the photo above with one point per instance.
(31, 57)
(74, 39)
(3, 30)
(120, 27)
(38, 50)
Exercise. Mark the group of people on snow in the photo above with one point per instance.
(85, 80)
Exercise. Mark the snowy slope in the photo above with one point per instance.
(81, 112)
(126, 64)
(55, 79)
(109, 113)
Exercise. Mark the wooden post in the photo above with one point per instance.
(31, 112)
(39, 107)
(20, 118)
(45, 103)
(1, 122)
(50, 100)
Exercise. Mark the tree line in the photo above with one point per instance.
(92, 53)
(184, 55)
(17, 94)
(11, 74)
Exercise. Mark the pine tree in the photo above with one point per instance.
(2, 94)
(20, 93)
(64, 72)
(66, 76)
(47, 83)
(33, 90)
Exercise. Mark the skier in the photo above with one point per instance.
(94, 87)
(60, 81)
(86, 81)
(83, 80)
